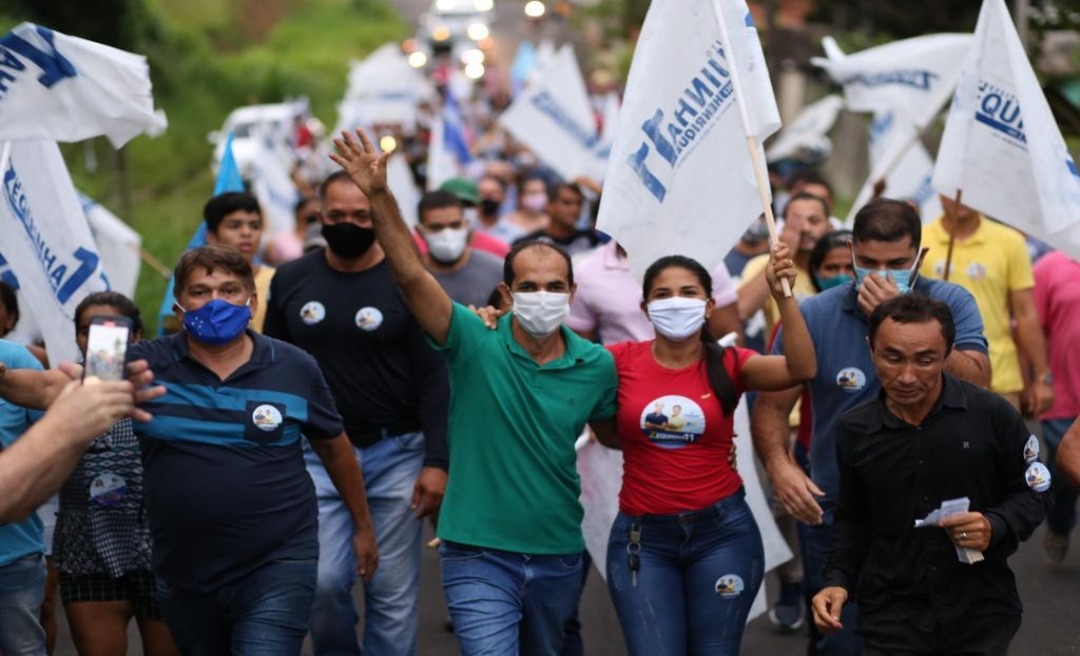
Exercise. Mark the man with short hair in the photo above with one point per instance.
(926, 440)
(467, 193)
(491, 192)
(511, 522)
(234, 218)
(341, 305)
(468, 275)
(564, 208)
(885, 250)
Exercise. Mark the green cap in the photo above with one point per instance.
(463, 188)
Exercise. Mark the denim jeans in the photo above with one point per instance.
(698, 573)
(22, 590)
(262, 614)
(814, 541)
(1061, 518)
(504, 603)
(391, 598)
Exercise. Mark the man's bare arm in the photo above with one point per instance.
(769, 428)
(972, 366)
(1068, 455)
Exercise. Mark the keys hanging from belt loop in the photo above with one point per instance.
(633, 548)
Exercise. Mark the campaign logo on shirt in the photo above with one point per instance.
(108, 489)
(266, 418)
(312, 313)
(1031, 449)
(729, 586)
(851, 379)
(1038, 477)
(976, 271)
(939, 269)
(672, 421)
(368, 318)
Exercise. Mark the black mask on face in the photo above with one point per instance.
(489, 207)
(348, 240)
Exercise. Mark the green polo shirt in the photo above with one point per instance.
(513, 482)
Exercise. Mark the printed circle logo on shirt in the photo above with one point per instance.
(266, 418)
(672, 421)
(312, 313)
(976, 271)
(1031, 449)
(1038, 477)
(108, 489)
(368, 318)
(851, 379)
(729, 586)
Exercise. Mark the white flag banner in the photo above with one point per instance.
(600, 469)
(555, 119)
(809, 131)
(46, 240)
(383, 89)
(400, 179)
(914, 77)
(54, 86)
(118, 245)
(442, 163)
(897, 154)
(680, 178)
(1002, 147)
(273, 187)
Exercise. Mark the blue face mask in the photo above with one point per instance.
(835, 281)
(218, 322)
(903, 278)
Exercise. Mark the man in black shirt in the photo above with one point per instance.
(341, 305)
(929, 438)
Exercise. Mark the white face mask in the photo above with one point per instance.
(541, 313)
(677, 318)
(535, 202)
(447, 245)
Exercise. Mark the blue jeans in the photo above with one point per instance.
(504, 603)
(814, 542)
(22, 590)
(391, 598)
(1061, 518)
(262, 614)
(698, 573)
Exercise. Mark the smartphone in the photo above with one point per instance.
(106, 347)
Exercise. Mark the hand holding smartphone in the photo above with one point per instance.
(106, 347)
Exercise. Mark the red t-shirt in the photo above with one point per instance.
(675, 437)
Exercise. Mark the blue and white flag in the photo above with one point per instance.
(59, 87)
(680, 179)
(1002, 147)
(898, 155)
(913, 77)
(555, 119)
(46, 241)
(809, 132)
(448, 149)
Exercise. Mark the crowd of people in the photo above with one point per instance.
(325, 397)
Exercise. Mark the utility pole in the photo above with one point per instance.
(1021, 14)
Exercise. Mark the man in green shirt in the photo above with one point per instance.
(510, 523)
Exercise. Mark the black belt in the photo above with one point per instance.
(367, 438)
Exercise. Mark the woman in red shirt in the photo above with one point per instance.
(685, 558)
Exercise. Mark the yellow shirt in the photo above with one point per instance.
(990, 263)
(262, 289)
(803, 290)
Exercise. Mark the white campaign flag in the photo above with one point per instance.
(46, 240)
(1002, 147)
(809, 131)
(897, 154)
(118, 245)
(554, 118)
(273, 186)
(54, 86)
(400, 179)
(913, 77)
(383, 89)
(680, 178)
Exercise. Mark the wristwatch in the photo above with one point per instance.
(1048, 378)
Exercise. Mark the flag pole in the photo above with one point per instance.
(952, 234)
(760, 175)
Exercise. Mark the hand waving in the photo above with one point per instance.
(365, 167)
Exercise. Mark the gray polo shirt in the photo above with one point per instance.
(473, 283)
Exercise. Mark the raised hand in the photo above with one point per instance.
(781, 267)
(359, 159)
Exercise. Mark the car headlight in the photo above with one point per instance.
(474, 71)
(472, 56)
(535, 9)
(417, 59)
(484, 5)
(444, 5)
(440, 33)
(478, 31)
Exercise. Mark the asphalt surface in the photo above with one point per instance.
(1051, 595)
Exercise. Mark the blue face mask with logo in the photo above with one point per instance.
(904, 278)
(835, 281)
(218, 322)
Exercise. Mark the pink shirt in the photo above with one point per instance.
(1057, 299)
(479, 241)
(608, 297)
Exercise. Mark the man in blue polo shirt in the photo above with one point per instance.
(885, 249)
(232, 510)
(520, 396)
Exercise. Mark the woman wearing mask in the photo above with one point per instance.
(102, 547)
(531, 214)
(830, 262)
(685, 558)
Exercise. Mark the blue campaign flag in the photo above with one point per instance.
(228, 179)
(454, 131)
